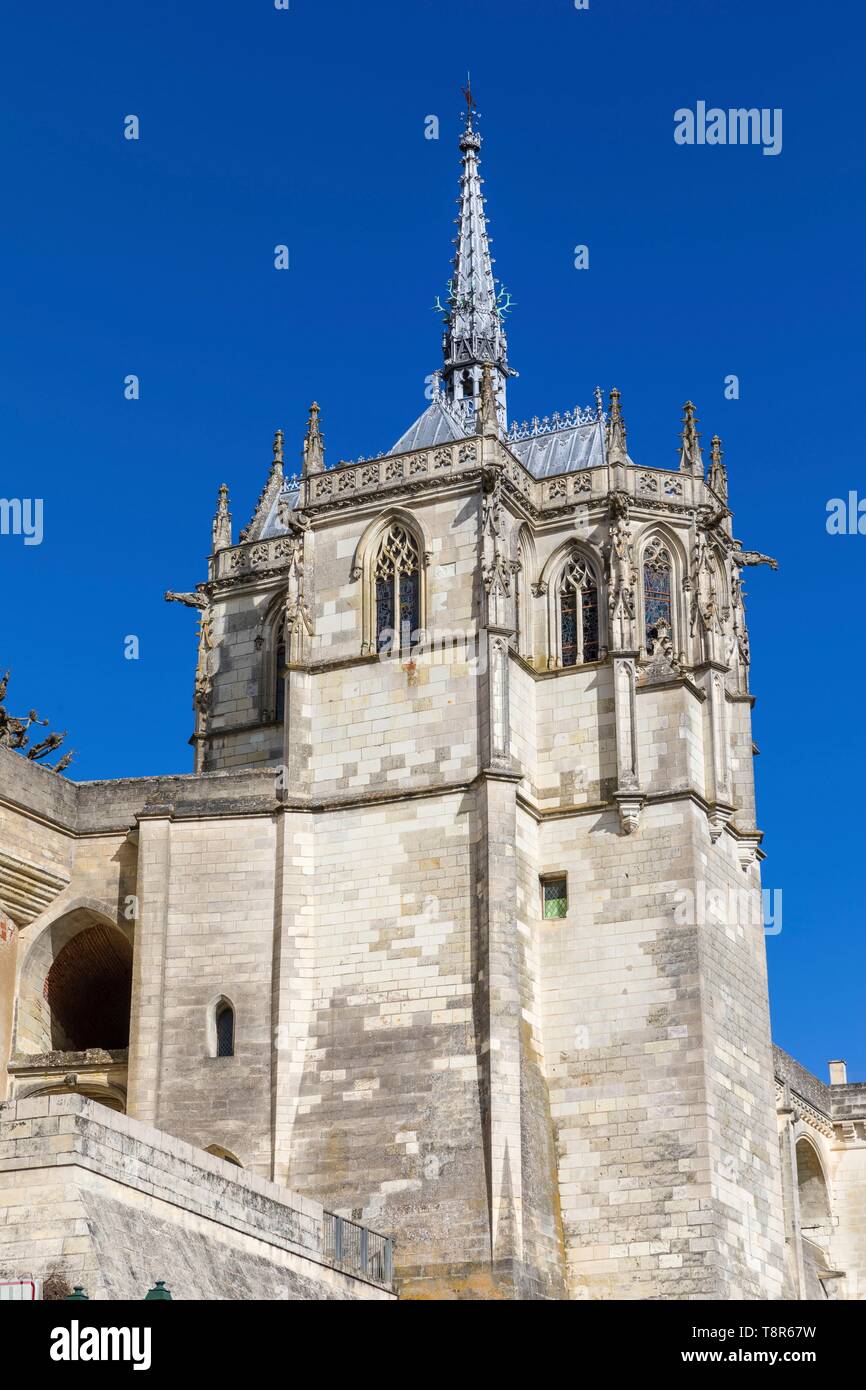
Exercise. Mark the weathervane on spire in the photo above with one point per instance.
(471, 108)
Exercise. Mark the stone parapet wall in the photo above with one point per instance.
(92, 1197)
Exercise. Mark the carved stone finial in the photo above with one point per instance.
(718, 479)
(691, 457)
(222, 522)
(278, 447)
(617, 450)
(599, 402)
(314, 444)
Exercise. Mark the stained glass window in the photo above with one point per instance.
(409, 619)
(554, 897)
(590, 622)
(657, 600)
(384, 613)
(225, 1031)
(569, 627)
(578, 597)
(398, 589)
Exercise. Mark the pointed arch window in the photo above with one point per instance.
(225, 1029)
(397, 575)
(578, 613)
(657, 589)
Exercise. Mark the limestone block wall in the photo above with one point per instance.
(386, 725)
(218, 942)
(543, 1236)
(657, 1040)
(94, 1198)
(742, 758)
(748, 1228)
(522, 686)
(671, 737)
(575, 742)
(388, 1122)
(849, 1206)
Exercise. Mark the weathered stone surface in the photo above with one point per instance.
(93, 1198)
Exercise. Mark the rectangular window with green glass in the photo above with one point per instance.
(554, 896)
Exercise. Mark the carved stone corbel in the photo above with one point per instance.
(748, 844)
(629, 804)
(718, 817)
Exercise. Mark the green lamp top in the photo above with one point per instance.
(158, 1291)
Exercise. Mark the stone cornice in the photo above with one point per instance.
(374, 483)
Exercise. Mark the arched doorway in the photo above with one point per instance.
(73, 1006)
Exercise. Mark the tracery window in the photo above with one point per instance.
(397, 575)
(657, 588)
(578, 613)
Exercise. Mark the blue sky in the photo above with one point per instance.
(306, 128)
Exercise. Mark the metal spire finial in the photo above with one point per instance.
(471, 108)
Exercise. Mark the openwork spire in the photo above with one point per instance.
(476, 305)
(691, 458)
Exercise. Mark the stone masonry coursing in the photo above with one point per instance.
(574, 1106)
(92, 1198)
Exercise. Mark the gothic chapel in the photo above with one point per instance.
(471, 718)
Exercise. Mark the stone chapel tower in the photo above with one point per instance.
(499, 676)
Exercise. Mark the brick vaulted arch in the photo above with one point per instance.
(88, 990)
(75, 986)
